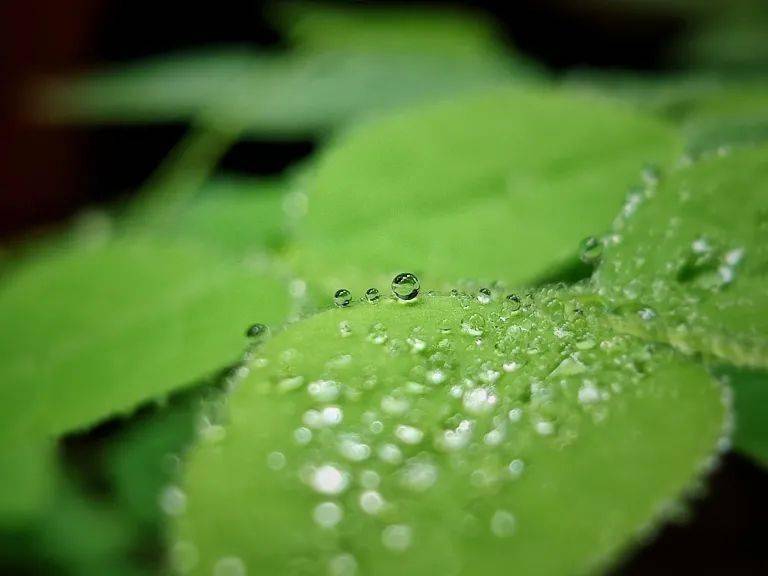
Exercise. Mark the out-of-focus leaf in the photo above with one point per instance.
(91, 333)
(236, 214)
(449, 436)
(448, 32)
(26, 483)
(269, 95)
(501, 185)
(750, 402)
(692, 259)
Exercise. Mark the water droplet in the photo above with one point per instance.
(276, 460)
(369, 479)
(371, 502)
(502, 524)
(302, 436)
(397, 537)
(479, 401)
(342, 565)
(405, 286)
(591, 250)
(474, 325)
(647, 313)
(173, 501)
(345, 329)
(409, 434)
(229, 566)
(342, 298)
(257, 330)
(512, 303)
(183, 556)
(378, 333)
(353, 449)
(327, 514)
(390, 454)
(331, 416)
(418, 475)
(328, 479)
(515, 468)
(515, 414)
(372, 295)
(323, 390)
(484, 296)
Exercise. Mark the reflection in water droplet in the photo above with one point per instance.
(372, 295)
(484, 296)
(342, 298)
(405, 286)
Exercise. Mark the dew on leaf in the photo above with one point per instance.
(397, 537)
(484, 296)
(405, 286)
(371, 502)
(503, 523)
(474, 324)
(408, 434)
(372, 295)
(328, 479)
(591, 250)
(257, 330)
(342, 565)
(276, 460)
(342, 297)
(229, 566)
(327, 514)
(512, 303)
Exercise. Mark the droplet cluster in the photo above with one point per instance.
(461, 393)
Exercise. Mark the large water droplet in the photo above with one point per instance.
(405, 286)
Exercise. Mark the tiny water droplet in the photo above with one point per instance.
(405, 286)
(474, 325)
(257, 330)
(342, 565)
(345, 329)
(502, 524)
(342, 298)
(484, 296)
(372, 295)
(327, 514)
(591, 250)
(397, 537)
(512, 303)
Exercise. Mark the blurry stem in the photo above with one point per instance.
(181, 174)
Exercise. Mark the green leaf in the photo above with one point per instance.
(448, 32)
(692, 259)
(499, 185)
(453, 437)
(92, 332)
(750, 391)
(267, 95)
(237, 215)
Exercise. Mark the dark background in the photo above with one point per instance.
(47, 174)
